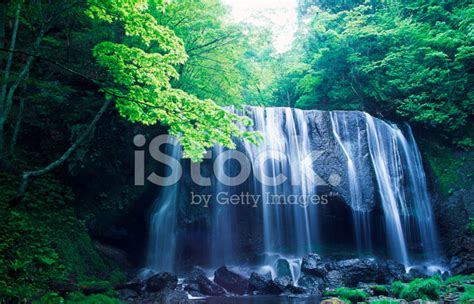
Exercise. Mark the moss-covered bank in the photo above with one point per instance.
(43, 244)
(458, 289)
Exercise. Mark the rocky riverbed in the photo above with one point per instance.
(318, 279)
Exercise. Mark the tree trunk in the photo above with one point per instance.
(29, 174)
(19, 119)
(16, 131)
(3, 22)
(6, 77)
(8, 65)
(8, 101)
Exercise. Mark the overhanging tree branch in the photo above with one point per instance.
(28, 174)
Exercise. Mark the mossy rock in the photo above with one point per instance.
(333, 301)
(348, 294)
(379, 290)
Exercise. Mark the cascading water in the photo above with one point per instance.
(356, 160)
(368, 178)
(283, 153)
(403, 189)
(222, 217)
(386, 159)
(162, 245)
(423, 211)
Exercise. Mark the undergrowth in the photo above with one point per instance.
(42, 242)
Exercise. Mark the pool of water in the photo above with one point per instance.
(259, 300)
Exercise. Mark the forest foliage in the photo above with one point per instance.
(404, 60)
(177, 63)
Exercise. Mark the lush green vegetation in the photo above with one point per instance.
(176, 63)
(425, 289)
(429, 289)
(385, 302)
(349, 295)
(379, 289)
(408, 60)
(43, 244)
(62, 64)
(77, 297)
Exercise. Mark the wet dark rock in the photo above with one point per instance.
(452, 216)
(262, 285)
(334, 279)
(165, 296)
(198, 283)
(193, 289)
(313, 285)
(283, 282)
(463, 264)
(171, 297)
(282, 268)
(113, 253)
(196, 271)
(366, 270)
(395, 271)
(445, 275)
(127, 294)
(297, 290)
(136, 286)
(161, 281)
(415, 273)
(208, 287)
(312, 265)
(231, 280)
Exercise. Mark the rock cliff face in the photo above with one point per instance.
(455, 211)
(366, 175)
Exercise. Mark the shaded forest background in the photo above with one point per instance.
(79, 79)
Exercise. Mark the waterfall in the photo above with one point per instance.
(286, 144)
(318, 179)
(401, 178)
(388, 169)
(223, 218)
(162, 244)
(417, 186)
(354, 155)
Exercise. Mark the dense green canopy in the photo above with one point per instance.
(174, 65)
(408, 60)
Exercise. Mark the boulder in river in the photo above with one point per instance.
(313, 285)
(334, 279)
(262, 285)
(365, 270)
(416, 272)
(161, 281)
(395, 271)
(282, 267)
(198, 283)
(312, 265)
(208, 287)
(283, 282)
(231, 280)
